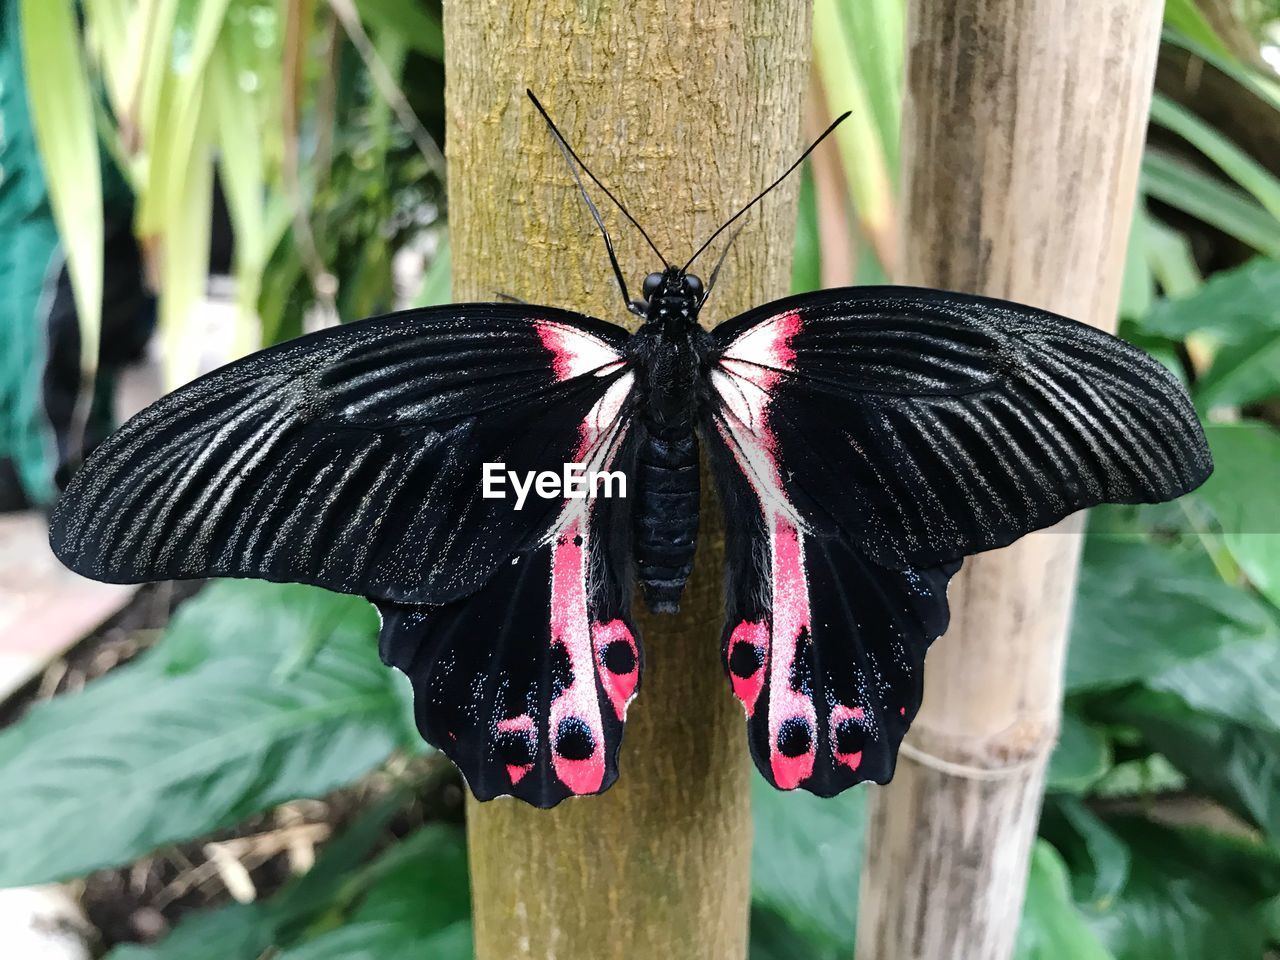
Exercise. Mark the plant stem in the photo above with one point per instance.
(1022, 137)
(686, 110)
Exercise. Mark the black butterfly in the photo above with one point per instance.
(863, 441)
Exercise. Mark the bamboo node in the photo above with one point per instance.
(969, 772)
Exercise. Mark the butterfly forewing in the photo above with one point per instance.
(926, 426)
(351, 459)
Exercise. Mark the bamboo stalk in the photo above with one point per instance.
(1023, 131)
(686, 110)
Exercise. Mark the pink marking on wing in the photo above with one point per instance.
(601, 418)
(522, 724)
(575, 352)
(768, 344)
(619, 686)
(756, 637)
(790, 622)
(840, 714)
(752, 367)
(570, 628)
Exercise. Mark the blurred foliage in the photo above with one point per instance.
(31, 242)
(259, 693)
(322, 185)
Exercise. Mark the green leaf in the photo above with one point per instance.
(1247, 173)
(1099, 859)
(1142, 777)
(806, 259)
(1262, 85)
(852, 77)
(31, 242)
(1233, 305)
(772, 938)
(1185, 17)
(1142, 609)
(1235, 764)
(1242, 374)
(1172, 261)
(412, 23)
(1239, 682)
(201, 732)
(1191, 895)
(437, 283)
(1204, 197)
(1137, 287)
(1081, 756)
(418, 906)
(249, 931)
(234, 932)
(421, 879)
(242, 170)
(1242, 495)
(807, 860)
(874, 31)
(62, 116)
(1052, 927)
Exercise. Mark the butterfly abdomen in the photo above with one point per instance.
(665, 512)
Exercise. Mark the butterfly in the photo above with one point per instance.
(862, 442)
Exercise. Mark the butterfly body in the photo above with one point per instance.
(669, 353)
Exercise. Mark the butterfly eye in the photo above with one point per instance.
(652, 283)
(693, 285)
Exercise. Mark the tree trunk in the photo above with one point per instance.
(1022, 137)
(685, 110)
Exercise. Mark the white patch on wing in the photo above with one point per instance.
(575, 351)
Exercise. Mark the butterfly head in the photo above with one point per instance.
(672, 299)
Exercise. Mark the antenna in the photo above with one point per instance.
(564, 146)
(761, 195)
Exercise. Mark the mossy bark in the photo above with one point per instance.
(685, 110)
(1022, 136)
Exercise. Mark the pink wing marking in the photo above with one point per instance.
(840, 714)
(576, 730)
(576, 352)
(792, 718)
(601, 421)
(524, 726)
(768, 343)
(746, 656)
(752, 365)
(618, 662)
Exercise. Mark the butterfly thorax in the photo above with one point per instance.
(668, 353)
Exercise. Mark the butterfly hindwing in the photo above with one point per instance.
(925, 426)
(824, 648)
(352, 458)
(525, 684)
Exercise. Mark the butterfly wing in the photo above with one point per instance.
(352, 458)
(525, 683)
(926, 426)
(866, 440)
(824, 648)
